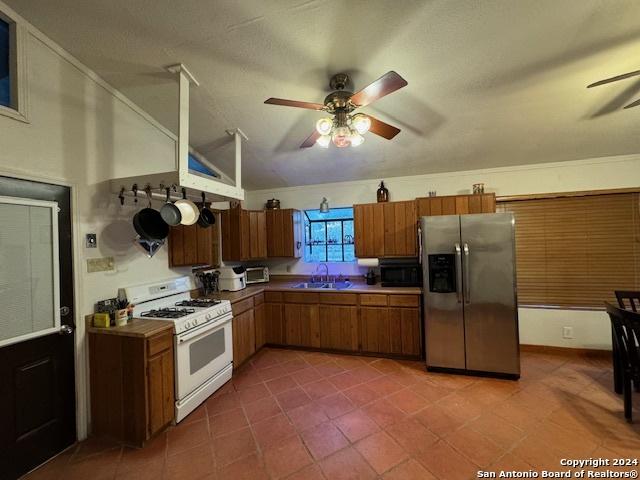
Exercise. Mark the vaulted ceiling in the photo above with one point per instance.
(491, 83)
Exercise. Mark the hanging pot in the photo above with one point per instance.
(188, 210)
(207, 217)
(149, 223)
(169, 212)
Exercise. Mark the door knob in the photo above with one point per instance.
(66, 330)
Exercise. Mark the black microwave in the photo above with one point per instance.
(400, 272)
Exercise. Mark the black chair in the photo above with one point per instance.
(626, 334)
(629, 300)
(630, 297)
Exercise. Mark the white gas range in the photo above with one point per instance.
(202, 340)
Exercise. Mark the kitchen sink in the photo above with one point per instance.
(325, 285)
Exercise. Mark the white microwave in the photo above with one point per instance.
(257, 274)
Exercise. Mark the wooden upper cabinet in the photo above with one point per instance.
(244, 234)
(456, 204)
(194, 245)
(284, 233)
(385, 229)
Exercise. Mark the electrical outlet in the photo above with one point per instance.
(103, 264)
(91, 240)
(567, 332)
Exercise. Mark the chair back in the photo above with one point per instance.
(626, 334)
(630, 297)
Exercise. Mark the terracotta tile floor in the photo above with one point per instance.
(302, 415)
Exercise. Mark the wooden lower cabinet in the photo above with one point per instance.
(259, 321)
(301, 325)
(244, 337)
(339, 328)
(132, 385)
(391, 330)
(274, 323)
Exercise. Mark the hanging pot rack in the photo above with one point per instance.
(160, 193)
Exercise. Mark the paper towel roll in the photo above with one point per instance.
(368, 262)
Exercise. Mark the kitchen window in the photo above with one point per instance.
(13, 98)
(329, 236)
(574, 251)
(5, 62)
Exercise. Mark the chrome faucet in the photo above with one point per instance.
(326, 271)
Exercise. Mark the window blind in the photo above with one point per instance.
(575, 251)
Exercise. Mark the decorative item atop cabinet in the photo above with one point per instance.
(272, 204)
(244, 234)
(478, 188)
(284, 233)
(382, 193)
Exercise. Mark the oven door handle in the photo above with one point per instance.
(206, 328)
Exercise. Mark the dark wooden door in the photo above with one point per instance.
(37, 387)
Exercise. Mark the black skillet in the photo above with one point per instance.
(149, 223)
(207, 217)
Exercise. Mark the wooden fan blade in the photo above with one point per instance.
(633, 104)
(311, 140)
(294, 103)
(614, 79)
(386, 84)
(383, 129)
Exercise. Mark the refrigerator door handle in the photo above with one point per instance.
(419, 243)
(458, 272)
(467, 281)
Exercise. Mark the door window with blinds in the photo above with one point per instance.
(29, 275)
(574, 252)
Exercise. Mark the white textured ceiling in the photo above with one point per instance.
(491, 83)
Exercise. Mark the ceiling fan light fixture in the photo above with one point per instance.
(361, 123)
(341, 137)
(324, 126)
(324, 141)
(356, 139)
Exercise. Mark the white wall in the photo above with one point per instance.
(537, 326)
(82, 133)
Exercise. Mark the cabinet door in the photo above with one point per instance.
(375, 329)
(339, 327)
(244, 339)
(405, 333)
(462, 204)
(475, 203)
(369, 230)
(160, 386)
(488, 203)
(274, 323)
(275, 233)
(183, 245)
(261, 234)
(301, 325)
(400, 228)
(231, 225)
(259, 321)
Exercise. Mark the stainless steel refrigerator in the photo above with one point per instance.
(470, 306)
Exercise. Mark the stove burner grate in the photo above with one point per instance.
(168, 312)
(198, 302)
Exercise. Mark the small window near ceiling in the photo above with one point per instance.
(5, 62)
(329, 236)
(198, 167)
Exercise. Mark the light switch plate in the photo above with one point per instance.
(103, 264)
(567, 332)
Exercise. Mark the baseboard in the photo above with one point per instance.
(566, 351)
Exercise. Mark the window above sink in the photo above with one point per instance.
(329, 237)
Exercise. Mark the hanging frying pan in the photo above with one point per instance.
(207, 217)
(188, 209)
(149, 223)
(169, 212)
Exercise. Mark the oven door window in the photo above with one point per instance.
(205, 350)
(254, 275)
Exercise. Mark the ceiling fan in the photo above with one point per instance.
(615, 79)
(345, 128)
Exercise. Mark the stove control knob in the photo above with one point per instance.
(187, 324)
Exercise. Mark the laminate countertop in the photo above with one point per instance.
(138, 327)
(278, 285)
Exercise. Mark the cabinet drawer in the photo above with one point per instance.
(300, 297)
(273, 297)
(258, 299)
(339, 298)
(159, 343)
(242, 306)
(374, 299)
(404, 300)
